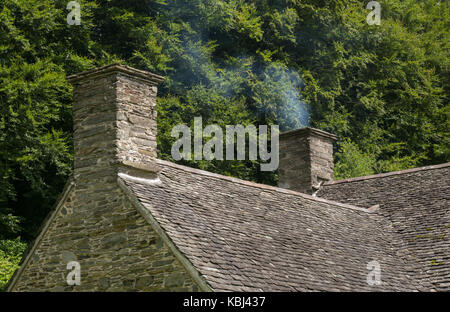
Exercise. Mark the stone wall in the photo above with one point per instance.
(114, 123)
(116, 248)
(306, 159)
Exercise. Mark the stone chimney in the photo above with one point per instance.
(306, 159)
(114, 120)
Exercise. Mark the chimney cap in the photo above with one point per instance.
(308, 131)
(116, 67)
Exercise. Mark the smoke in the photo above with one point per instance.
(279, 92)
(272, 89)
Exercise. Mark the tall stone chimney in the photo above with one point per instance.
(306, 159)
(114, 119)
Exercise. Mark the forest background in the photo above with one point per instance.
(383, 89)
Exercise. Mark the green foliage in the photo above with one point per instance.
(385, 87)
(352, 162)
(10, 255)
(384, 90)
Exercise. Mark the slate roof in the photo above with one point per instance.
(243, 236)
(417, 203)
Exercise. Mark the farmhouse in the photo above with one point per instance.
(134, 222)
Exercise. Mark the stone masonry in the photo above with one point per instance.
(96, 224)
(116, 248)
(137, 223)
(306, 159)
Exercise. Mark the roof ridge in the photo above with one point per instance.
(259, 185)
(388, 174)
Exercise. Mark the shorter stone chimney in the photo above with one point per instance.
(306, 159)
